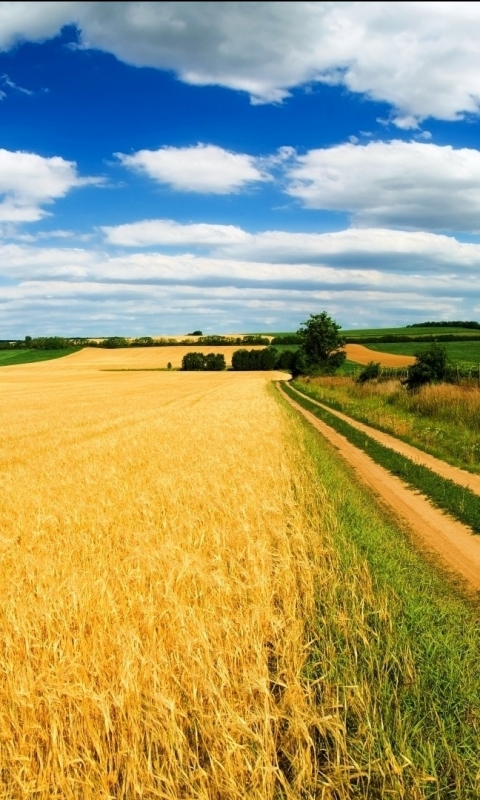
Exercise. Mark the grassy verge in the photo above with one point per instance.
(456, 500)
(10, 357)
(396, 650)
(442, 420)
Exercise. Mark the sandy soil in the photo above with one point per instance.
(362, 355)
(450, 541)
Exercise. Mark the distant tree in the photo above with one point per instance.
(199, 361)
(195, 333)
(430, 366)
(193, 362)
(169, 365)
(215, 362)
(321, 344)
(114, 342)
(265, 359)
(143, 341)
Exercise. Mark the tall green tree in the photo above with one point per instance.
(321, 344)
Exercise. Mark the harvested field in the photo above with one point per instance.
(91, 358)
(363, 355)
(157, 580)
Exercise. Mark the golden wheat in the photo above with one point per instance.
(136, 357)
(157, 577)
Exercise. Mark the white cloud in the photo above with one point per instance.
(167, 232)
(204, 168)
(371, 276)
(29, 181)
(421, 58)
(407, 184)
(382, 249)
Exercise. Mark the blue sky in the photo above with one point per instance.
(236, 167)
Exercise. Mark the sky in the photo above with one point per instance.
(235, 167)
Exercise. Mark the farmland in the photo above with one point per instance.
(10, 357)
(458, 352)
(198, 600)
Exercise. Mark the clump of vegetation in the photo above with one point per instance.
(195, 333)
(370, 373)
(265, 359)
(198, 362)
(430, 366)
(448, 324)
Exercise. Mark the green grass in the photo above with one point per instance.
(456, 500)
(464, 352)
(445, 428)
(409, 331)
(10, 357)
(348, 368)
(396, 649)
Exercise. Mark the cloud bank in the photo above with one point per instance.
(268, 48)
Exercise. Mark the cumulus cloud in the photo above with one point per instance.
(384, 249)
(97, 293)
(204, 168)
(406, 184)
(268, 48)
(168, 232)
(29, 181)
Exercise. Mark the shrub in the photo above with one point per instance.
(370, 372)
(430, 366)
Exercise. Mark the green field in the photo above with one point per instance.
(9, 358)
(410, 332)
(465, 352)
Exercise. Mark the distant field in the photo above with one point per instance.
(10, 357)
(128, 357)
(466, 352)
(409, 331)
(358, 333)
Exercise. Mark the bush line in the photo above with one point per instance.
(458, 501)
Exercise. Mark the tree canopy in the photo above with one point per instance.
(321, 343)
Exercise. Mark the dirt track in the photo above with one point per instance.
(452, 542)
(455, 474)
(362, 355)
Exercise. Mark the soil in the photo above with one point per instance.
(454, 544)
(362, 355)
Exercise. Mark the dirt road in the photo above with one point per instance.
(362, 355)
(450, 541)
(460, 476)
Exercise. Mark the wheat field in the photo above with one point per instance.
(138, 357)
(157, 578)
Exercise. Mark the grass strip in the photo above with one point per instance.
(396, 644)
(9, 358)
(456, 500)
